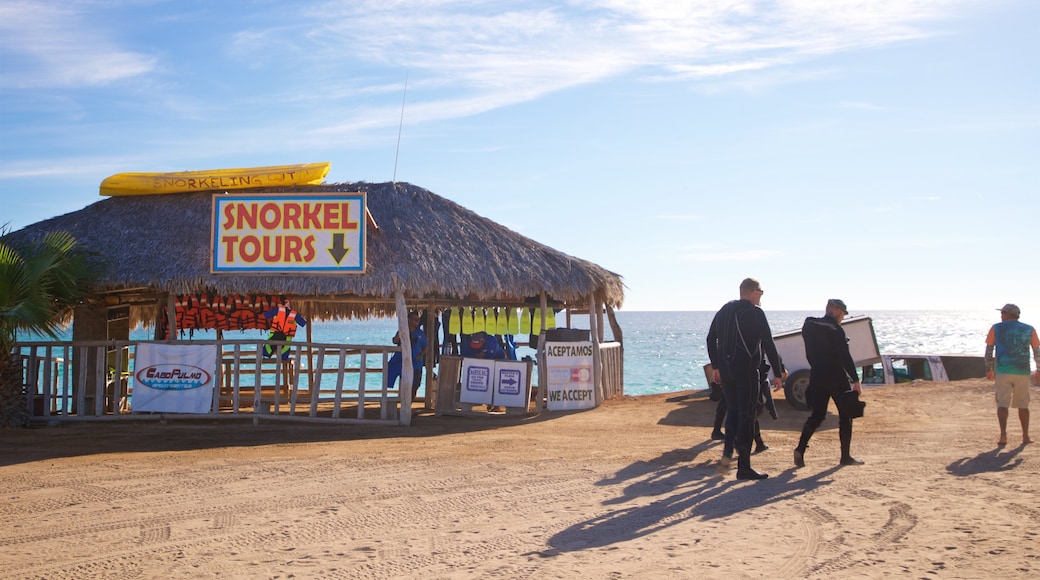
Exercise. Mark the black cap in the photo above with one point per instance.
(838, 303)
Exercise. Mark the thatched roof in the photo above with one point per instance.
(434, 249)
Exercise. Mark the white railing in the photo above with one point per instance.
(93, 380)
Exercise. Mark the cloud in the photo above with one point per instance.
(54, 45)
(462, 57)
(486, 55)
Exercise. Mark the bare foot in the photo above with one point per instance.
(1003, 440)
(1026, 440)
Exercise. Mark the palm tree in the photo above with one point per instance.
(39, 285)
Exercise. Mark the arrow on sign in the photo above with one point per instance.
(338, 249)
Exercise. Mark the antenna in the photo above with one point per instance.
(400, 126)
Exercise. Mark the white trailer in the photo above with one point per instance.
(862, 345)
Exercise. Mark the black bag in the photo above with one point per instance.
(849, 404)
(716, 392)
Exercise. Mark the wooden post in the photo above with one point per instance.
(407, 372)
(543, 373)
(171, 316)
(595, 333)
(430, 326)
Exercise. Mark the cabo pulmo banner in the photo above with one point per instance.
(569, 383)
(172, 378)
(313, 233)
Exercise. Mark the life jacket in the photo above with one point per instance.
(207, 317)
(257, 305)
(284, 321)
(242, 317)
(190, 319)
(179, 311)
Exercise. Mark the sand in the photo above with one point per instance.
(628, 490)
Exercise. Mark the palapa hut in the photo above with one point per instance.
(424, 252)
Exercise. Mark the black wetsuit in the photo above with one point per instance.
(739, 340)
(831, 370)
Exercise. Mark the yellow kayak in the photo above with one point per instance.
(215, 179)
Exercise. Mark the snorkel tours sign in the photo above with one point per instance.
(320, 233)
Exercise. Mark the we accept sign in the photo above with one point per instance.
(289, 233)
(570, 384)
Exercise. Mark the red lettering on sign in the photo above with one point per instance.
(270, 215)
(250, 249)
(229, 242)
(246, 216)
(347, 223)
(292, 248)
(330, 216)
(311, 217)
(292, 216)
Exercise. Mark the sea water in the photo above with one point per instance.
(665, 351)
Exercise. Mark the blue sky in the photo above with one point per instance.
(880, 151)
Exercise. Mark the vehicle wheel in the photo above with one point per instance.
(796, 388)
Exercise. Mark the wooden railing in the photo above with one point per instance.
(93, 380)
(612, 356)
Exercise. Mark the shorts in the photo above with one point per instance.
(1012, 391)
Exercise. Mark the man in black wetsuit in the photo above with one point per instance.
(738, 341)
(831, 371)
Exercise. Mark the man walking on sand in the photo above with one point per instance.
(738, 341)
(831, 369)
(1011, 340)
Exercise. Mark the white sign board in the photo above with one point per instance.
(174, 378)
(569, 370)
(477, 381)
(512, 385)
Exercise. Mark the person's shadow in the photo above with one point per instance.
(681, 491)
(987, 461)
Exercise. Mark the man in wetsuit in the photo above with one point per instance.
(738, 341)
(1012, 341)
(831, 370)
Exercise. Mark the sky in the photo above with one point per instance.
(884, 152)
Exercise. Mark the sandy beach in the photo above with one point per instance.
(628, 490)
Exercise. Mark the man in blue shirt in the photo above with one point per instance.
(1011, 340)
(482, 345)
(418, 340)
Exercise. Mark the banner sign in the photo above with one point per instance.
(569, 385)
(174, 378)
(314, 233)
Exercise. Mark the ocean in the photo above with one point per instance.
(665, 351)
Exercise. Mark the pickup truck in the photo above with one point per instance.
(875, 368)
